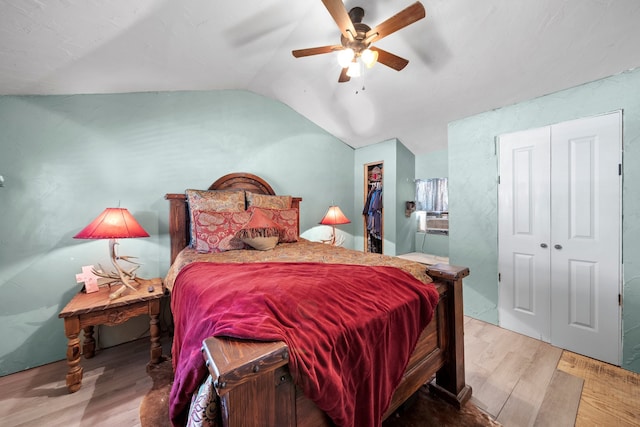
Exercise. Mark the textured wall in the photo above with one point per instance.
(432, 165)
(473, 191)
(405, 191)
(66, 158)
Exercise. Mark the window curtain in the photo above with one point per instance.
(432, 195)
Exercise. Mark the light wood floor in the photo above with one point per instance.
(521, 381)
(518, 380)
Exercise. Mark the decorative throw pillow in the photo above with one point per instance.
(216, 231)
(262, 243)
(267, 201)
(213, 201)
(287, 219)
(260, 232)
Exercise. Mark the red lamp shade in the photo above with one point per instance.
(113, 223)
(334, 216)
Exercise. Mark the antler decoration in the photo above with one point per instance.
(125, 277)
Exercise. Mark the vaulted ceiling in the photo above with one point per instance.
(466, 57)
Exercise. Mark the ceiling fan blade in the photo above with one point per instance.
(343, 76)
(341, 16)
(408, 16)
(316, 50)
(389, 59)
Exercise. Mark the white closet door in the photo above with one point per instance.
(559, 235)
(585, 230)
(523, 232)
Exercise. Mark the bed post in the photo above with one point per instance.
(252, 382)
(178, 223)
(450, 379)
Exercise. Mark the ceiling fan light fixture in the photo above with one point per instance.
(354, 69)
(345, 57)
(369, 57)
(356, 37)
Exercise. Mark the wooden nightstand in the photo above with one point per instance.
(85, 311)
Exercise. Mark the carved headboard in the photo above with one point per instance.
(179, 210)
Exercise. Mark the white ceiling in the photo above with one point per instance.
(466, 57)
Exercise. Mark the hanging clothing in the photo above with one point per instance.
(373, 211)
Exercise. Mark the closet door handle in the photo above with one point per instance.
(558, 247)
(543, 245)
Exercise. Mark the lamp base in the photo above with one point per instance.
(126, 278)
(332, 240)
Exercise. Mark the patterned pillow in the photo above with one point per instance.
(262, 243)
(216, 231)
(260, 232)
(267, 201)
(213, 201)
(287, 219)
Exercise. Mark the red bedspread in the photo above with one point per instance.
(350, 329)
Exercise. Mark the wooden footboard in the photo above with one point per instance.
(255, 388)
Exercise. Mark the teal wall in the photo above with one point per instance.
(398, 175)
(66, 158)
(473, 220)
(432, 165)
(405, 191)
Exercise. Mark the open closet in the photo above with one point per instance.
(372, 210)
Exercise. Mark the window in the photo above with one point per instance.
(432, 205)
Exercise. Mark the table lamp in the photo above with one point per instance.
(112, 224)
(333, 217)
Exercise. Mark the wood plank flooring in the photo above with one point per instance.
(521, 381)
(610, 395)
(114, 383)
(518, 380)
(509, 372)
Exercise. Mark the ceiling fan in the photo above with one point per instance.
(357, 38)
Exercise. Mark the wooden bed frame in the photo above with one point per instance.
(252, 379)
